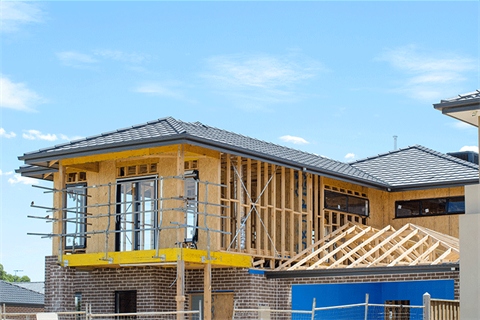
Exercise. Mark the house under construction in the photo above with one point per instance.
(168, 215)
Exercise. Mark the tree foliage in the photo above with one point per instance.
(10, 277)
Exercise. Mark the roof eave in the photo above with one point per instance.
(434, 185)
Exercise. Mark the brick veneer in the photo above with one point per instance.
(155, 294)
(15, 309)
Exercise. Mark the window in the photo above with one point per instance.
(346, 203)
(75, 202)
(429, 207)
(78, 304)
(136, 217)
(191, 193)
(402, 312)
(126, 302)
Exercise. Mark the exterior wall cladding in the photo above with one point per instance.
(155, 294)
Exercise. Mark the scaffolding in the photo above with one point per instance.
(138, 214)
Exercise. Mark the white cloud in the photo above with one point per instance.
(469, 148)
(294, 140)
(17, 96)
(13, 14)
(122, 56)
(429, 76)
(19, 179)
(76, 59)
(37, 135)
(64, 137)
(164, 89)
(4, 133)
(350, 156)
(254, 81)
(6, 173)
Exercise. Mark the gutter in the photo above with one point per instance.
(323, 273)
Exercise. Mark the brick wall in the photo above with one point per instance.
(11, 309)
(155, 294)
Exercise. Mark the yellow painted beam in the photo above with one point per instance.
(146, 257)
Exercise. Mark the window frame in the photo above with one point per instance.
(422, 214)
(135, 217)
(366, 215)
(82, 217)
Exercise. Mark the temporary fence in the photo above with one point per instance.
(360, 311)
(88, 315)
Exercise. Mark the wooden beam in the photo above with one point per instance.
(239, 187)
(393, 248)
(410, 250)
(283, 235)
(426, 253)
(92, 167)
(207, 291)
(248, 224)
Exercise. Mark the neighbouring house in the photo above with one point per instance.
(17, 299)
(165, 214)
(37, 286)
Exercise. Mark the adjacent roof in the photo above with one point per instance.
(417, 166)
(11, 294)
(411, 167)
(37, 286)
(463, 97)
(464, 107)
(366, 247)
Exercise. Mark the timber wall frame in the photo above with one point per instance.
(276, 212)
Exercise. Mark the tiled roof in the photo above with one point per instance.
(463, 97)
(417, 165)
(12, 294)
(169, 127)
(37, 286)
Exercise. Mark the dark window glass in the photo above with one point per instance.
(346, 203)
(75, 202)
(429, 207)
(408, 208)
(335, 201)
(456, 205)
(125, 302)
(358, 206)
(434, 206)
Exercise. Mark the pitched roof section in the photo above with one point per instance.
(11, 294)
(418, 166)
(37, 286)
(463, 97)
(169, 128)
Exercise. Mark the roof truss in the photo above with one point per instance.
(360, 246)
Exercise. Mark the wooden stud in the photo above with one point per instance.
(282, 221)
(207, 291)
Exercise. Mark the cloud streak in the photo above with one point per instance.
(37, 135)
(293, 139)
(7, 135)
(76, 59)
(17, 96)
(259, 80)
(428, 76)
(14, 14)
(350, 156)
(19, 179)
(168, 89)
(469, 148)
(118, 55)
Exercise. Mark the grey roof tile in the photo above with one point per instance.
(12, 294)
(37, 286)
(417, 165)
(463, 97)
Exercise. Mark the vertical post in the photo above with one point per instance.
(1, 311)
(180, 298)
(234, 307)
(313, 309)
(426, 306)
(207, 291)
(200, 310)
(366, 306)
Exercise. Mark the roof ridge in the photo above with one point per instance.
(448, 157)
(383, 154)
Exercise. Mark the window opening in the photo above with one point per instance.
(126, 302)
(191, 216)
(136, 212)
(78, 304)
(75, 223)
(346, 203)
(429, 207)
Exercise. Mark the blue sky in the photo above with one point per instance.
(334, 78)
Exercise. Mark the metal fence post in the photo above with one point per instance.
(426, 306)
(313, 309)
(234, 307)
(366, 306)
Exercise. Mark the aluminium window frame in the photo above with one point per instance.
(135, 217)
(366, 215)
(82, 218)
(421, 214)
